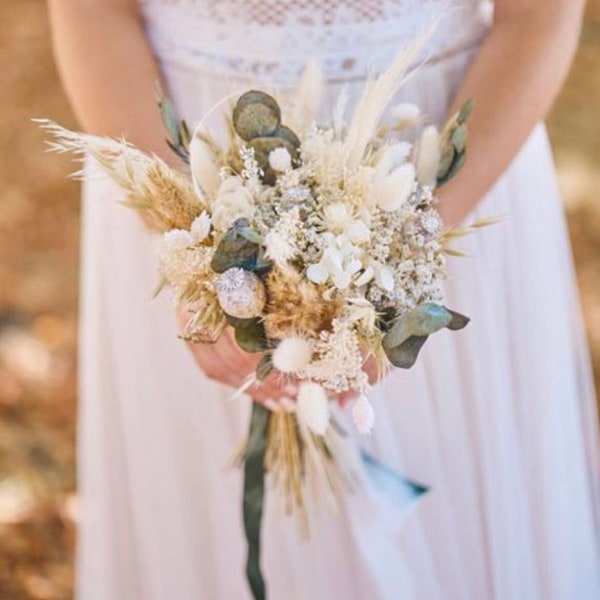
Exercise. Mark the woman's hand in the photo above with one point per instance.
(227, 363)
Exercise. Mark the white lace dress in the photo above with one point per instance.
(498, 419)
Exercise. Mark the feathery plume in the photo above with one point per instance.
(376, 97)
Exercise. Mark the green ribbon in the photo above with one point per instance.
(398, 490)
(254, 495)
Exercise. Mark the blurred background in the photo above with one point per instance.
(39, 228)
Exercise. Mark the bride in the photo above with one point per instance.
(499, 420)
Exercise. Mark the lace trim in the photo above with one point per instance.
(274, 38)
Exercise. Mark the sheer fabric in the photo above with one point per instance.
(499, 419)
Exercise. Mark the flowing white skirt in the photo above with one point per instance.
(499, 419)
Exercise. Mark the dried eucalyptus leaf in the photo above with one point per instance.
(256, 114)
(459, 138)
(422, 320)
(405, 355)
(465, 111)
(458, 321)
(170, 119)
(251, 235)
(285, 133)
(457, 164)
(265, 367)
(398, 334)
(250, 334)
(235, 250)
(428, 318)
(446, 159)
(263, 146)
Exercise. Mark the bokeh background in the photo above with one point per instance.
(39, 236)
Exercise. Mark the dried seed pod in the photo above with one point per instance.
(256, 114)
(241, 293)
(263, 146)
(285, 133)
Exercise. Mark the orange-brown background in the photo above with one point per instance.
(39, 223)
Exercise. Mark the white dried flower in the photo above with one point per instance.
(431, 222)
(340, 219)
(234, 201)
(313, 407)
(365, 277)
(280, 160)
(200, 228)
(177, 239)
(281, 240)
(405, 113)
(428, 156)
(395, 189)
(360, 310)
(384, 277)
(279, 247)
(179, 260)
(363, 415)
(338, 360)
(292, 354)
(339, 263)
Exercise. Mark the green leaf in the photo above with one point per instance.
(454, 144)
(446, 159)
(405, 339)
(250, 334)
(170, 119)
(457, 164)
(405, 355)
(422, 320)
(458, 321)
(252, 236)
(235, 250)
(465, 111)
(254, 495)
(459, 138)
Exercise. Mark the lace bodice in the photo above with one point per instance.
(275, 38)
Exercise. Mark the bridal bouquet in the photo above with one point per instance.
(318, 245)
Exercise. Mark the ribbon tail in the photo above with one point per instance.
(396, 488)
(254, 493)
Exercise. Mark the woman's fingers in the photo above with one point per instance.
(227, 363)
(276, 388)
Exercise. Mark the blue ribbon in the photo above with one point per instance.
(396, 488)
